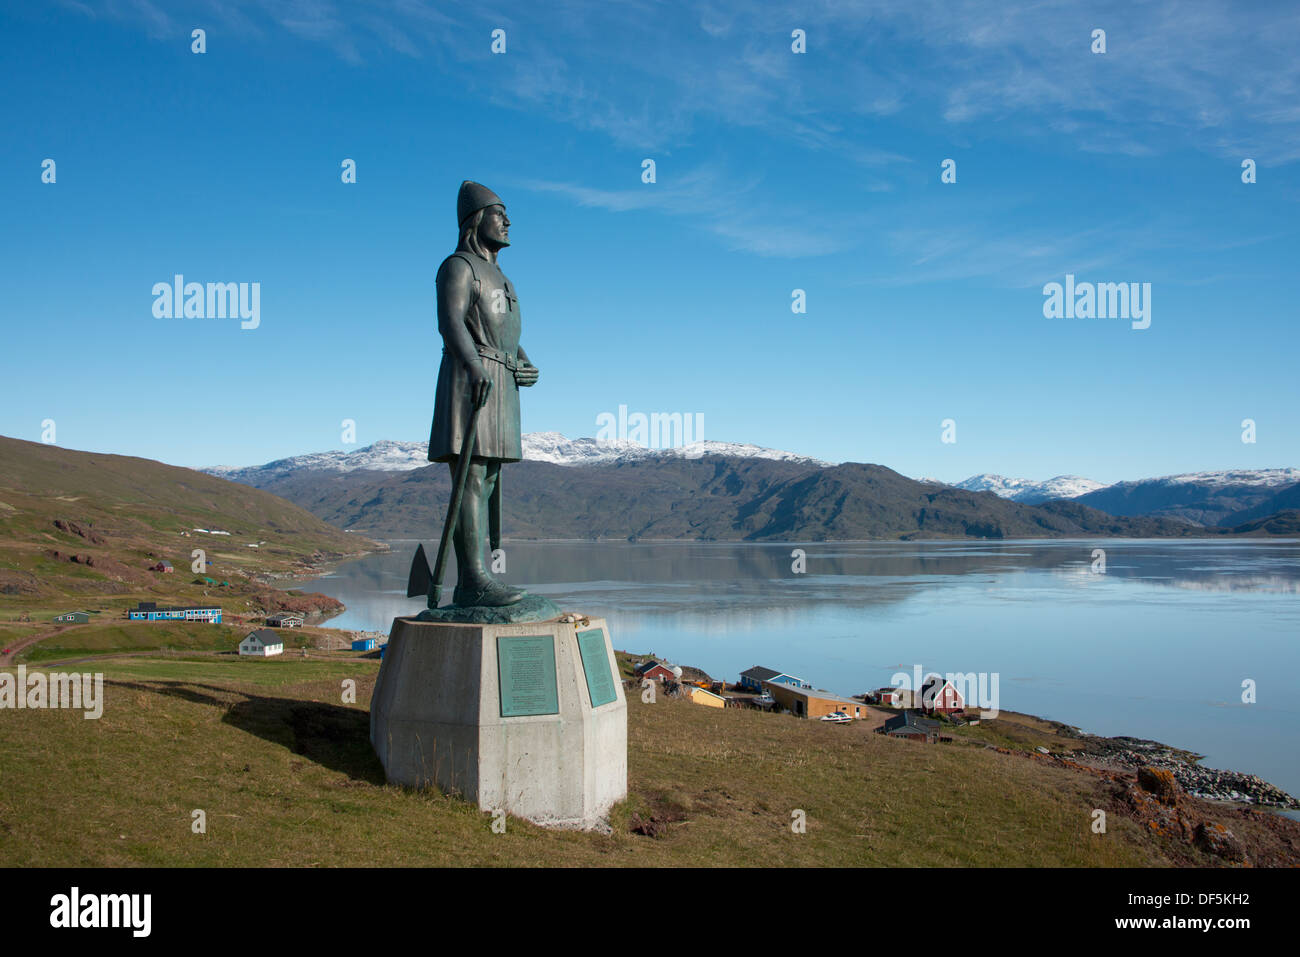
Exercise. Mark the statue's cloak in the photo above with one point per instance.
(493, 323)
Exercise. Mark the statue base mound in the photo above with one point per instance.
(528, 608)
(528, 718)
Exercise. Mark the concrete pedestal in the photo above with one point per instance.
(456, 706)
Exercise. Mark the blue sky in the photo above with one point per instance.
(775, 171)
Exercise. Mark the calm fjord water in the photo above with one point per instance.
(1156, 647)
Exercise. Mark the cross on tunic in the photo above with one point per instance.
(511, 299)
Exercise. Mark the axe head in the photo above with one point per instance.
(421, 577)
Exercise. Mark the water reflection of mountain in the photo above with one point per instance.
(1272, 567)
(721, 587)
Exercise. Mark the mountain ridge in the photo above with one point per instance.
(395, 455)
(553, 447)
(1029, 491)
(1209, 499)
(712, 498)
(582, 488)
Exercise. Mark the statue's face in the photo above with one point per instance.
(494, 229)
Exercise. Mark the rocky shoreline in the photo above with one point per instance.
(1211, 784)
(315, 566)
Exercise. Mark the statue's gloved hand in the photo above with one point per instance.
(480, 384)
(527, 375)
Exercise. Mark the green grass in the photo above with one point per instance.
(115, 637)
(275, 672)
(1017, 732)
(285, 773)
(11, 633)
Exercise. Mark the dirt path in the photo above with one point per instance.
(27, 642)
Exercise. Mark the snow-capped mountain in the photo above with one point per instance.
(1029, 491)
(1265, 478)
(559, 450)
(392, 456)
(382, 456)
(1202, 498)
(1227, 497)
(1109, 497)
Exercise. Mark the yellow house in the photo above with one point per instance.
(707, 698)
(807, 703)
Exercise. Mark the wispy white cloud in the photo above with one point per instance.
(659, 78)
(1177, 74)
(718, 202)
(1005, 253)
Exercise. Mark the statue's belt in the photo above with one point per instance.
(496, 355)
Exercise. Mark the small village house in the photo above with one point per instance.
(754, 678)
(886, 697)
(655, 671)
(911, 726)
(284, 619)
(74, 618)
(807, 703)
(940, 694)
(162, 566)
(706, 697)
(262, 643)
(363, 644)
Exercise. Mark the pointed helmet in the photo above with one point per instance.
(473, 197)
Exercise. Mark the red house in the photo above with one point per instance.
(940, 694)
(655, 671)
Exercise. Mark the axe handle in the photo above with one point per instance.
(494, 515)
(453, 508)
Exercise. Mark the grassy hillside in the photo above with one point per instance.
(115, 636)
(79, 530)
(285, 774)
(1286, 522)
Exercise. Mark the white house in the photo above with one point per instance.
(263, 643)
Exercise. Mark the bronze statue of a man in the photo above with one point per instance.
(483, 366)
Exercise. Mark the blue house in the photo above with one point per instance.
(363, 644)
(753, 679)
(149, 611)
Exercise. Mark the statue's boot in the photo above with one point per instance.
(474, 586)
(489, 594)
